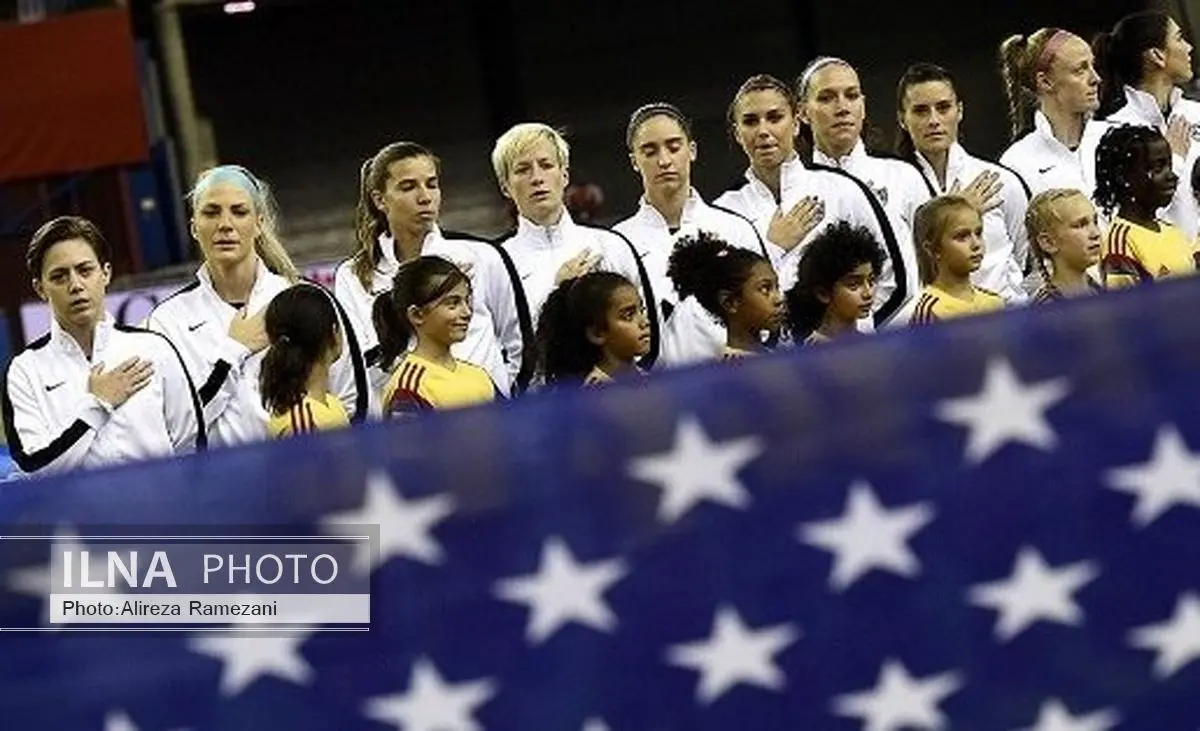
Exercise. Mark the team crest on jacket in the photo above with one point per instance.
(880, 193)
(1195, 132)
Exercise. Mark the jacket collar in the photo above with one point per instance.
(546, 237)
(956, 161)
(1146, 107)
(261, 277)
(856, 155)
(101, 336)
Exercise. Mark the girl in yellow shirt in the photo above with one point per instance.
(1134, 178)
(591, 329)
(305, 340)
(948, 233)
(427, 310)
(1064, 232)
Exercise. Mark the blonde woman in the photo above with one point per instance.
(1053, 90)
(532, 166)
(216, 321)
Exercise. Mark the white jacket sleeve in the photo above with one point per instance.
(501, 298)
(1015, 205)
(348, 374)
(357, 302)
(216, 375)
(182, 411)
(36, 447)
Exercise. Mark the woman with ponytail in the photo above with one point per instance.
(396, 221)
(1143, 62)
(424, 314)
(302, 327)
(217, 321)
(1053, 91)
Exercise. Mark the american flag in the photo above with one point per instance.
(989, 525)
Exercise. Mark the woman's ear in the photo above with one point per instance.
(824, 296)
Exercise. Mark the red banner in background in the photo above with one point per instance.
(70, 97)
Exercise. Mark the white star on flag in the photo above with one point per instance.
(119, 721)
(868, 536)
(1171, 477)
(563, 591)
(734, 654)
(404, 525)
(696, 469)
(432, 704)
(1034, 592)
(900, 701)
(38, 581)
(1005, 410)
(595, 724)
(1055, 716)
(245, 658)
(1175, 641)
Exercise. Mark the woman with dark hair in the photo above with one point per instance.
(396, 220)
(1143, 61)
(928, 113)
(662, 152)
(763, 120)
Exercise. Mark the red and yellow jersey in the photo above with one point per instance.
(1049, 293)
(935, 304)
(1134, 254)
(419, 384)
(310, 415)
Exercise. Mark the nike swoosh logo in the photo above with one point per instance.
(194, 328)
(1043, 171)
(53, 386)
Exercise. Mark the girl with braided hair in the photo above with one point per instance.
(1133, 180)
(1065, 232)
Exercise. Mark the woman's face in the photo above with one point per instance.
(1177, 57)
(834, 106)
(225, 224)
(411, 198)
(930, 114)
(1072, 80)
(764, 124)
(662, 154)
